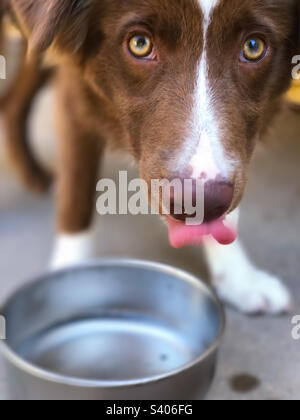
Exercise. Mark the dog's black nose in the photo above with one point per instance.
(218, 196)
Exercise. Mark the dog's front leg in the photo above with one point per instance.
(79, 155)
(240, 284)
(76, 191)
(16, 105)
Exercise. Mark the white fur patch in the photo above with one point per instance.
(204, 133)
(240, 284)
(207, 7)
(72, 250)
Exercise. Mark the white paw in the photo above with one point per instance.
(71, 250)
(60, 261)
(254, 292)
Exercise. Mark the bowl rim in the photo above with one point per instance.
(48, 376)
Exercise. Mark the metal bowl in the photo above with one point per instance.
(112, 330)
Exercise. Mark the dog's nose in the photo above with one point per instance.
(218, 196)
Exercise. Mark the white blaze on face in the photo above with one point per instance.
(204, 130)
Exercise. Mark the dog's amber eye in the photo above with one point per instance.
(140, 46)
(254, 49)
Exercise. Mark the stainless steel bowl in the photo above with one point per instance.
(115, 330)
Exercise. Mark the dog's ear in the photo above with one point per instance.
(47, 22)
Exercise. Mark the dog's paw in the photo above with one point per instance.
(254, 292)
(61, 261)
(72, 250)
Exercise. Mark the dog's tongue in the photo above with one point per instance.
(182, 235)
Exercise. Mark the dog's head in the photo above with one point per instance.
(194, 82)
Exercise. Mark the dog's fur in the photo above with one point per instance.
(195, 109)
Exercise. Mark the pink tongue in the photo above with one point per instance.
(183, 235)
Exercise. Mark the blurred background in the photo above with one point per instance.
(259, 359)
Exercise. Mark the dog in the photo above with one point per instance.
(187, 87)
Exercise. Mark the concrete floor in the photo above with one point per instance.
(258, 360)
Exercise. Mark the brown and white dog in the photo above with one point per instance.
(186, 86)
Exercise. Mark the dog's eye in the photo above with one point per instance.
(140, 46)
(254, 49)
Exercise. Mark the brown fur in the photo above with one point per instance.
(105, 96)
(17, 108)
